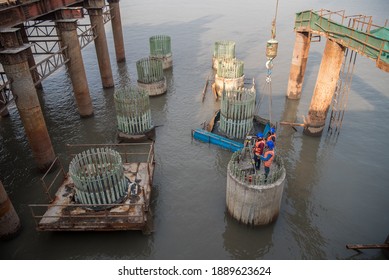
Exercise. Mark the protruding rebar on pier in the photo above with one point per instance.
(237, 112)
(252, 198)
(133, 111)
(98, 177)
(222, 50)
(160, 48)
(150, 76)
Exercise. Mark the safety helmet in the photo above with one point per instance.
(273, 130)
(270, 144)
(260, 135)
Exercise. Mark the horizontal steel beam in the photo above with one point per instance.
(14, 15)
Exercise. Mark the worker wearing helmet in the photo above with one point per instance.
(259, 147)
(268, 157)
(272, 135)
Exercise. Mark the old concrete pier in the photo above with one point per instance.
(360, 36)
(14, 58)
(251, 198)
(9, 219)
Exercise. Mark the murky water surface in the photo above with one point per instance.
(337, 189)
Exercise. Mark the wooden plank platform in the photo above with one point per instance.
(65, 214)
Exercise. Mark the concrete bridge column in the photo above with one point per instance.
(298, 66)
(14, 58)
(327, 79)
(31, 59)
(68, 33)
(9, 219)
(116, 23)
(95, 11)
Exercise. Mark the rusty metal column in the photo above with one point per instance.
(9, 219)
(95, 11)
(68, 33)
(117, 31)
(327, 79)
(14, 60)
(31, 59)
(299, 63)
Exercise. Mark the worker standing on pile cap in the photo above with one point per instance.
(272, 135)
(268, 157)
(258, 149)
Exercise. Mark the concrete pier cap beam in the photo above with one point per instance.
(254, 204)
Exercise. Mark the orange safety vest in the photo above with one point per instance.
(258, 150)
(269, 162)
(272, 137)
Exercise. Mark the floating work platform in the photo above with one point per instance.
(212, 138)
(212, 134)
(65, 213)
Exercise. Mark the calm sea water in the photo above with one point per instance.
(337, 189)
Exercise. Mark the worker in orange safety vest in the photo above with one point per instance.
(268, 157)
(258, 149)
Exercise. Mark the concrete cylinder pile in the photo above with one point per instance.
(160, 49)
(222, 50)
(229, 75)
(133, 110)
(251, 198)
(150, 76)
(237, 110)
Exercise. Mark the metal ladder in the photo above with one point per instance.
(340, 98)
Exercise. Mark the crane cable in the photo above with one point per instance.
(269, 62)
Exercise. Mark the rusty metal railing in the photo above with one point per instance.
(77, 215)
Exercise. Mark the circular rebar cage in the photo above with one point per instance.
(230, 68)
(237, 112)
(133, 110)
(98, 177)
(149, 70)
(160, 46)
(224, 49)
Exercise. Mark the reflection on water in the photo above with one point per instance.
(336, 191)
(245, 242)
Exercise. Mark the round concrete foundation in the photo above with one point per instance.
(156, 88)
(127, 138)
(254, 204)
(227, 84)
(167, 61)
